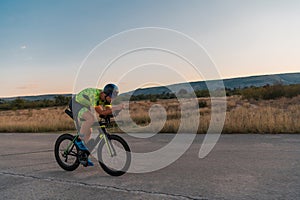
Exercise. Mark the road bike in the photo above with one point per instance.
(113, 152)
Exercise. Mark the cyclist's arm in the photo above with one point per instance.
(99, 109)
(114, 108)
(118, 107)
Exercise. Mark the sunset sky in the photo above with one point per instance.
(43, 43)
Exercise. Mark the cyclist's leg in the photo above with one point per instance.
(87, 119)
(75, 107)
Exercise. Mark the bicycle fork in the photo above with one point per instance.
(108, 145)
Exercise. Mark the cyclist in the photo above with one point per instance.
(85, 104)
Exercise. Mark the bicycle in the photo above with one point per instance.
(115, 159)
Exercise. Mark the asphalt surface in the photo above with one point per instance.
(239, 167)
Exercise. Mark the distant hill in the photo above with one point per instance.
(242, 82)
(37, 97)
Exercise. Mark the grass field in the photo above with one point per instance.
(242, 116)
(35, 120)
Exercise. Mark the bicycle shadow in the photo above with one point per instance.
(82, 174)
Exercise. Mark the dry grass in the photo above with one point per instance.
(242, 116)
(35, 120)
(272, 116)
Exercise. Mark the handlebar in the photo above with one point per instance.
(108, 117)
(114, 114)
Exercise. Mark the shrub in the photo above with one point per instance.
(202, 104)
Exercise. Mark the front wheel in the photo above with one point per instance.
(114, 157)
(66, 152)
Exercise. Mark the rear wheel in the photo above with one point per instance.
(68, 160)
(118, 163)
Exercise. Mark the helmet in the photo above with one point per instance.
(111, 90)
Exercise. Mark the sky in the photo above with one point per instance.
(43, 43)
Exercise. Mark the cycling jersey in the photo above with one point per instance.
(89, 97)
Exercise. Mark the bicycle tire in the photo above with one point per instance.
(58, 152)
(124, 145)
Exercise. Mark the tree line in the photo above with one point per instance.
(19, 103)
(266, 92)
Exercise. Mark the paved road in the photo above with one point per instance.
(239, 167)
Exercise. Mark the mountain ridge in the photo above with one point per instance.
(230, 83)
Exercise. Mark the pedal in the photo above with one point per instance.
(83, 158)
(84, 163)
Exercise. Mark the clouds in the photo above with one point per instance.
(242, 37)
(23, 52)
(27, 87)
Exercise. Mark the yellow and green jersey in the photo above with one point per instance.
(90, 97)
